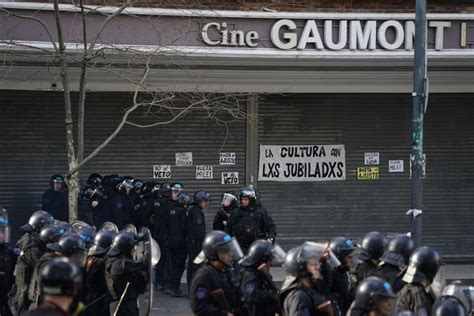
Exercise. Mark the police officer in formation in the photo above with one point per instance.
(55, 199)
(228, 204)
(372, 249)
(8, 259)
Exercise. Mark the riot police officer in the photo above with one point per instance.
(250, 221)
(258, 290)
(89, 205)
(374, 297)
(160, 232)
(70, 246)
(55, 199)
(7, 263)
(96, 285)
(122, 204)
(416, 296)
(31, 250)
(60, 284)
(373, 247)
(342, 289)
(124, 275)
(95, 179)
(149, 194)
(196, 230)
(394, 260)
(456, 299)
(228, 204)
(298, 296)
(214, 290)
(176, 222)
(448, 306)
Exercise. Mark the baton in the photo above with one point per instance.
(121, 299)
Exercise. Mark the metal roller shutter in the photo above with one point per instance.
(32, 142)
(374, 123)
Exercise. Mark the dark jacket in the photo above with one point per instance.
(259, 293)
(298, 300)
(195, 225)
(123, 210)
(47, 309)
(221, 218)
(363, 270)
(414, 298)
(56, 203)
(176, 222)
(342, 289)
(119, 271)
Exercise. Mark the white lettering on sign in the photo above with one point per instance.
(395, 166)
(204, 172)
(161, 172)
(184, 159)
(315, 34)
(302, 163)
(371, 158)
(227, 159)
(230, 177)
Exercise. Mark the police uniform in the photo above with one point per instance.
(250, 224)
(221, 218)
(342, 288)
(176, 223)
(56, 203)
(120, 271)
(160, 235)
(7, 264)
(363, 270)
(195, 234)
(96, 286)
(391, 274)
(47, 309)
(258, 292)
(298, 300)
(207, 281)
(415, 298)
(122, 209)
(34, 288)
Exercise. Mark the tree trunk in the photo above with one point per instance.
(74, 189)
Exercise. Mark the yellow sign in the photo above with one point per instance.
(368, 173)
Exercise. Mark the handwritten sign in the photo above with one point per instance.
(302, 163)
(230, 177)
(161, 172)
(184, 159)
(371, 158)
(227, 159)
(368, 173)
(395, 166)
(203, 172)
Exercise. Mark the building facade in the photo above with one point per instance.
(325, 86)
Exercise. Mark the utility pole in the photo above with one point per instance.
(419, 84)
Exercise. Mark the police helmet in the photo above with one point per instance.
(124, 183)
(424, 264)
(229, 199)
(137, 184)
(60, 277)
(123, 243)
(5, 229)
(102, 241)
(184, 199)
(165, 189)
(94, 179)
(341, 247)
(217, 241)
(373, 246)
(86, 233)
(248, 193)
(399, 251)
(200, 196)
(296, 262)
(448, 306)
(65, 225)
(57, 178)
(111, 181)
(38, 220)
(51, 233)
(260, 251)
(91, 193)
(369, 291)
(461, 292)
(147, 189)
(69, 245)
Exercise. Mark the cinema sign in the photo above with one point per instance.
(335, 35)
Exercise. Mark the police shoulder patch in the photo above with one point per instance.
(249, 288)
(118, 204)
(201, 293)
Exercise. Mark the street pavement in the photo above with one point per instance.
(170, 306)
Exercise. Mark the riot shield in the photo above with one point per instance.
(77, 225)
(131, 229)
(147, 249)
(109, 226)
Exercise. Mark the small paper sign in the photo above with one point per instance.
(203, 172)
(184, 159)
(227, 159)
(230, 177)
(161, 172)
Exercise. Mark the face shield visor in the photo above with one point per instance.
(278, 254)
(79, 257)
(231, 249)
(227, 199)
(5, 231)
(314, 250)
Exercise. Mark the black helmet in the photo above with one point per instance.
(462, 293)
(260, 251)
(87, 234)
(165, 189)
(216, 241)
(448, 306)
(102, 241)
(373, 246)
(296, 262)
(184, 199)
(229, 199)
(147, 189)
(65, 225)
(38, 220)
(424, 264)
(137, 184)
(123, 243)
(51, 233)
(200, 196)
(369, 291)
(124, 183)
(60, 277)
(248, 193)
(91, 193)
(341, 247)
(399, 251)
(94, 179)
(69, 245)
(56, 178)
(111, 181)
